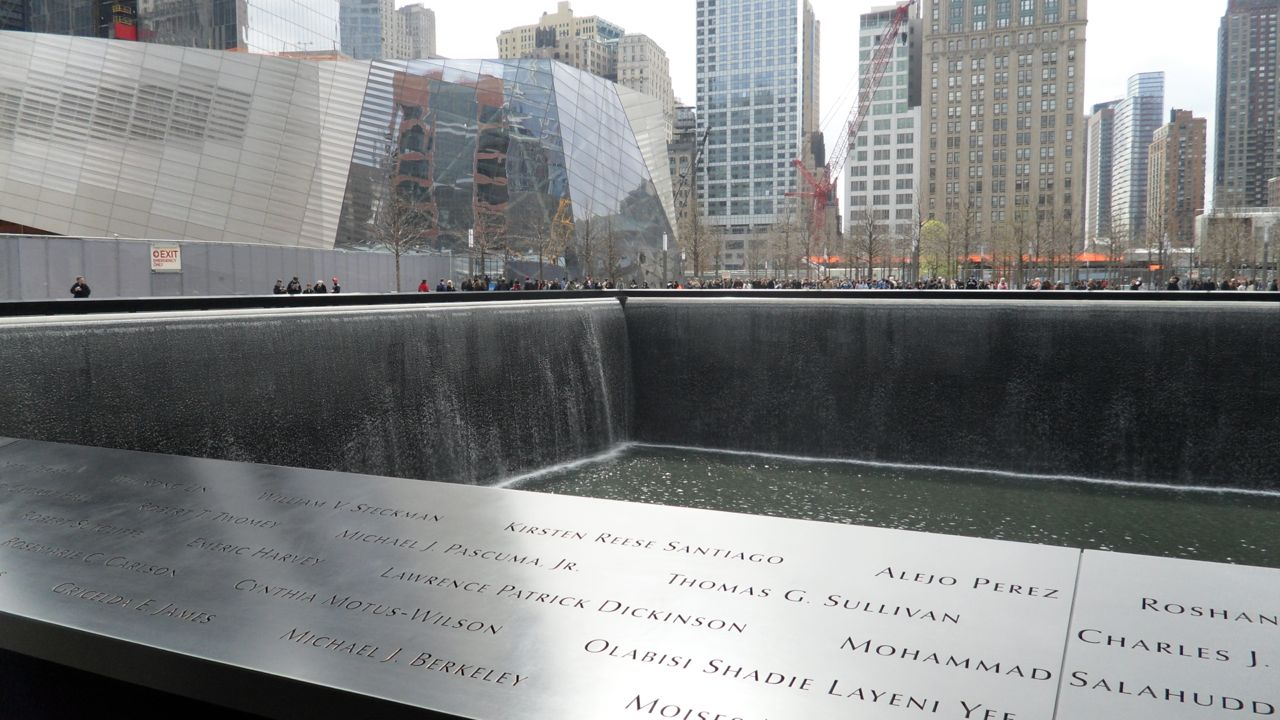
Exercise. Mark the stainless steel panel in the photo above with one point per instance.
(492, 603)
(1172, 639)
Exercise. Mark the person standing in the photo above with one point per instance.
(319, 287)
(81, 289)
(336, 287)
(423, 286)
(295, 286)
(279, 288)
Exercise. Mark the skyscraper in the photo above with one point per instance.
(1247, 146)
(419, 24)
(371, 29)
(13, 15)
(1175, 189)
(598, 46)
(257, 26)
(643, 66)
(1004, 84)
(1098, 151)
(757, 66)
(884, 162)
(84, 18)
(1138, 116)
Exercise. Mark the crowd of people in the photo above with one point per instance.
(479, 283)
(485, 282)
(296, 287)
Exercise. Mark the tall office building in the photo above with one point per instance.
(371, 29)
(376, 30)
(84, 18)
(1176, 169)
(758, 95)
(256, 26)
(13, 14)
(643, 67)
(682, 154)
(1004, 87)
(1098, 154)
(882, 170)
(419, 24)
(1247, 146)
(1138, 116)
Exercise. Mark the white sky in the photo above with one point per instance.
(1124, 37)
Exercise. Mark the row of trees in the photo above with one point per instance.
(400, 226)
(1032, 243)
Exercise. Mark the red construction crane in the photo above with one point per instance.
(822, 188)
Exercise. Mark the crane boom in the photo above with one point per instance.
(822, 187)
(875, 75)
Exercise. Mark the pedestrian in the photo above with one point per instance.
(319, 287)
(423, 286)
(279, 288)
(1173, 284)
(439, 285)
(336, 286)
(80, 289)
(294, 287)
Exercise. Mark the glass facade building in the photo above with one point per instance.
(13, 15)
(263, 26)
(517, 158)
(522, 158)
(1137, 117)
(368, 29)
(757, 91)
(260, 26)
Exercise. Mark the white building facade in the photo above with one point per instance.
(883, 172)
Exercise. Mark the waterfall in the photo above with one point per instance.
(456, 392)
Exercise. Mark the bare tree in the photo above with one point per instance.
(696, 239)
(869, 238)
(784, 242)
(1019, 245)
(585, 245)
(612, 252)
(962, 236)
(399, 224)
(1157, 240)
(1230, 244)
(550, 238)
(1070, 241)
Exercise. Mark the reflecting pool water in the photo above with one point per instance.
(1235, 527)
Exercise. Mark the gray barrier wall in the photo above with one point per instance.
(1171, 392)
(449, 392)
(40, 267)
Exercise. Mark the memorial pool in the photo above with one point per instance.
(1200, 524)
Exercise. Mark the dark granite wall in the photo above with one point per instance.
(1162, 392)
(1168, 392)
(452, 393)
